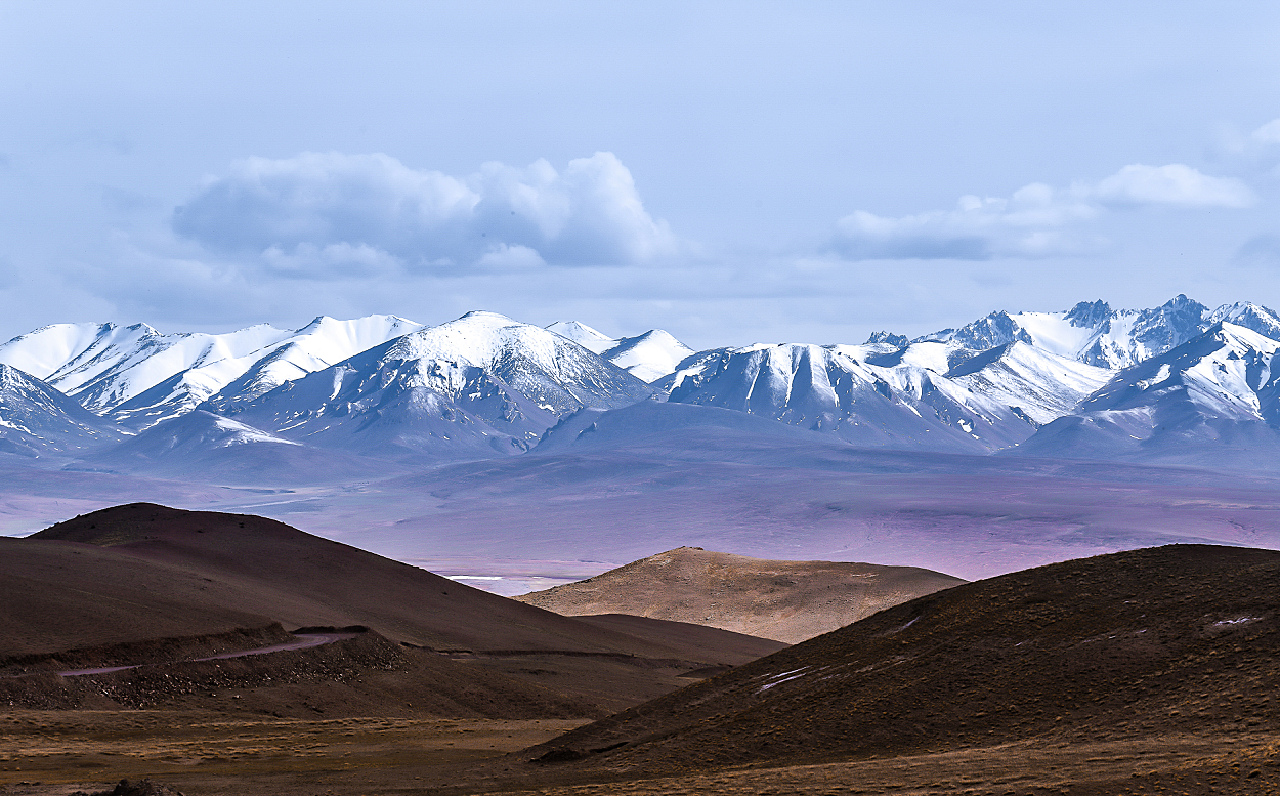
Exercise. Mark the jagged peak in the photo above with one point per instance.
(1181, 300)
(888, 338)
(1090, 313)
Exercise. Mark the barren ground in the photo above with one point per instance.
(55, 753)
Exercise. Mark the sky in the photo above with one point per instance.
(731, 172)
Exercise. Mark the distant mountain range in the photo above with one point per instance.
(1178, 383)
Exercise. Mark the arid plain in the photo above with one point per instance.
(1146, 671)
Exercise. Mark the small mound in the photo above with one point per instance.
(789, 601)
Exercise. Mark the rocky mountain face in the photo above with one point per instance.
(36, 419)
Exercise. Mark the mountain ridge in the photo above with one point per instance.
(485, 385)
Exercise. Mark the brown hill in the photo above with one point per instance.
(1143, 644)
(255, 565)
(785, 600)
(140, 572)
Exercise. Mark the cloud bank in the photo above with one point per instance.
(322, 215)
(1037, 221)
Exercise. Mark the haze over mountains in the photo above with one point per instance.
(1181, 382)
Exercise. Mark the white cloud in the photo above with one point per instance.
(1259, 152)
(1174, 184)
(1037, 221)
(516, 257)
(1268, 134)
(308, 261)
(1031, 223)
(322, 215)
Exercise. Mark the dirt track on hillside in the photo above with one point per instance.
(305, 641)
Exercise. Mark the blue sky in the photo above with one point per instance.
(731, 172)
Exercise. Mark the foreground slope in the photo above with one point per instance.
(785, 600)
(277, 572)
(1181, 638)
(144, 577)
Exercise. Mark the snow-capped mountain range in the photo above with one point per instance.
(1170, 383)
(139, 376)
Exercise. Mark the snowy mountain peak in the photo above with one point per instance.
(487, 314)
(583, 335)
(996, 329)
(11, 378)
(886, 338)
(648, 356)
(481, 385)
(1096, 334)
(1221, 388)
(1251, 316)
(1090, 314)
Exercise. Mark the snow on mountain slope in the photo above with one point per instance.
(1094, 333)
(38, 420)
(142, 376)
(221, 383)
(1033, 382)
(43, 352)
(1221, 386)
(105, 365)
(583, 335)
(1253, 317)
(963, 398)
(826, 388)
(480, 385)
(486, 385)
(648, 356)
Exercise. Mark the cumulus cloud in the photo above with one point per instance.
(319, 214)
(1037, 221)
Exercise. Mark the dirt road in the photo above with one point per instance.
(304, 640)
